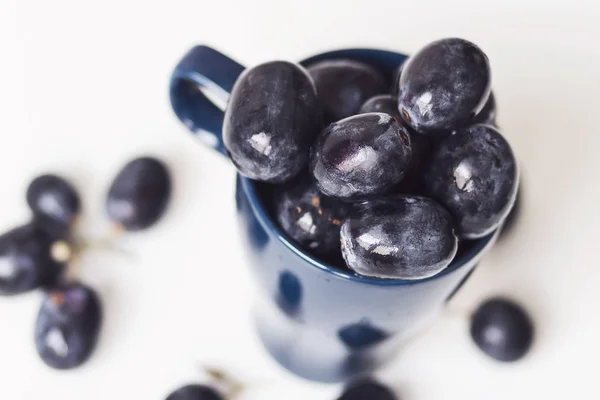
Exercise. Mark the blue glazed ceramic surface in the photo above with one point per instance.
(320, 322)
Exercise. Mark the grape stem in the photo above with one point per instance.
(103, 244)
(71, 252)
(230, 386)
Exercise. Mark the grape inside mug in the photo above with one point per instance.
(318, 321)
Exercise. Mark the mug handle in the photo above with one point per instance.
(200, 87)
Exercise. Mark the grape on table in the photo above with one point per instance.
(367, 389)
(140, 193)
(68, 325)
(502, 329)
(53, 197)
(26, 261)
(195, 392)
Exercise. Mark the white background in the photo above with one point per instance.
(83, 88)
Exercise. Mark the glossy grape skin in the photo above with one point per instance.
(309, 217)
(421, 145)
(361, 156)
(435, 102)
(399, 237)
(487, 115)
(344, 85)
(384, 103)
(271, 120)
(68, 326)
(53, 197)
(26, 262)
(367, 389)
(473, 173)
(140, 193)
(195, 392)
(502, 329)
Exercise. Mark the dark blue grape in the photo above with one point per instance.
(140, 193)
(53, 197)
(195, 392)
(367, 389)
(361, 156)
(487, 115)
(68, 326)
(399, 237)
(444, 86)
(271, 120)
(344, 85)
(26, 261)
(312, 219)
(383, 103)
(421, 145)
(502, 329)
(474, 174)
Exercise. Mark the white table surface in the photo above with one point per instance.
(83, 88)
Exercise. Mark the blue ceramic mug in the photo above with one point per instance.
(320, 322)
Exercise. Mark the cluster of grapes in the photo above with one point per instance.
(39, 254)
(392, 180)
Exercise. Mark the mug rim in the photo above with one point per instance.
(267, 223)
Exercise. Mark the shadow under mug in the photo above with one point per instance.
(318, 321)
